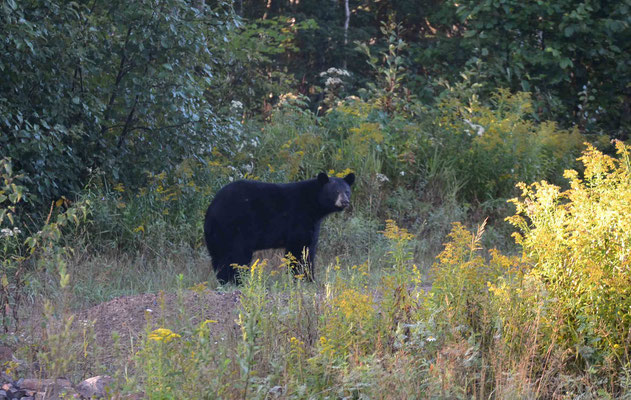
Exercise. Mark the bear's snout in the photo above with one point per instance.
(342, 201)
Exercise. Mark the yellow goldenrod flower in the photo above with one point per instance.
(163, 335)
(208, 321)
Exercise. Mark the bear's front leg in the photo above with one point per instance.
(311, 254)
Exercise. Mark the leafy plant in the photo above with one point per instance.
(493, 146)
(577, 241)
(568, 50)
(118, 87)
(389, 91)
(24, 254)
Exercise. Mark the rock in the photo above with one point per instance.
(42, 385)
(47, 389)
(16, 393)
(276, 392)
(95, 387)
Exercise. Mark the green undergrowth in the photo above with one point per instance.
(441, 303)
(393, 320)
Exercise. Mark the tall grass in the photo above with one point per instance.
(387, 318)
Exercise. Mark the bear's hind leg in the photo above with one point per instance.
(225, 273)
(224, 265)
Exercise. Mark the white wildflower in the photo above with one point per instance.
(382, 178)
(236, 104)
(332, 81)
(6, 232)
(335, 71)
(479, 128)
(431, 339)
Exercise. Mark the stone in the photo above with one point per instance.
(95, 387)
(17, 393)
(48, 389)
(41, 385)
(276, 392)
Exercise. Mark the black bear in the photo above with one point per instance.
(246, 216)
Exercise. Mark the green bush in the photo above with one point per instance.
(577, 241)
(492, 147)
(113, 86)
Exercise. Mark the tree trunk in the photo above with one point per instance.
(347, 13)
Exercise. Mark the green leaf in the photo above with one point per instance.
(566, 63)
(568, 31)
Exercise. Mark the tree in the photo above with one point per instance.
(578, 52)
(118, 86)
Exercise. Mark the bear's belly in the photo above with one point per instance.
(282, 239)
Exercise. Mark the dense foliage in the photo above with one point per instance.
(118, 87)
(578, 242)
(129, 89)
(120, 120)
(573, 56)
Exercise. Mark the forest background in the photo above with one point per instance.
(119, 120)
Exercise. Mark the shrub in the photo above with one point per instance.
(24, 254)
(578, 242)
(461, 279)
(115, 86)
(493, 146)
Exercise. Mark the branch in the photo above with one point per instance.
(130, 116)
(119, 78)
(146, 128)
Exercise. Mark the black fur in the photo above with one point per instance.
(246, 216)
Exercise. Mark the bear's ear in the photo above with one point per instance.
(323, 178)
(350, 178)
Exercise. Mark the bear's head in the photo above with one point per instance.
(335, 193)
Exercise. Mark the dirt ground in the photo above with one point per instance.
(128, 317)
